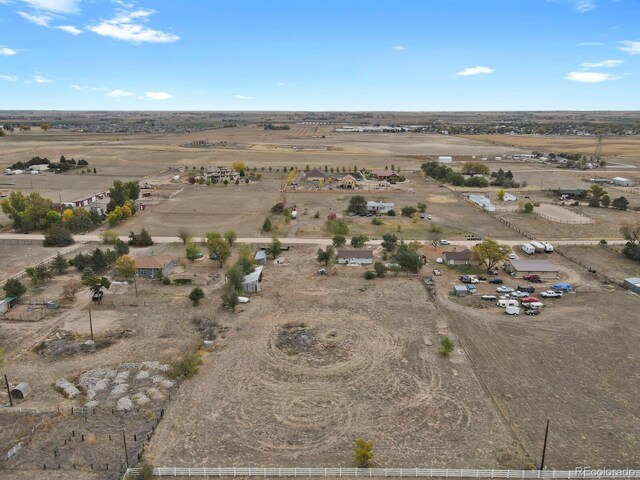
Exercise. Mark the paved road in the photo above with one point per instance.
(296, 241)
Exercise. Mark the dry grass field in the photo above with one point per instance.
(336, 359)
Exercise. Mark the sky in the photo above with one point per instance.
(409, 55)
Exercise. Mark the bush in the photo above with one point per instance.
(363, 452)
(369, 275)
(167, 280)
(377, 221)
(196, 295)
(146, 471)
(58, 236)
(446, 347)
(316, 215)
(266, 226)
(187, 366)
(603, 242)
(182, 281)
(380, 269)
(391, 213)
(337, 227)
(14, 288)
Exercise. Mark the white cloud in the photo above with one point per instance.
(284, 84)
(119, 93)
(603, 64)
(475, 71)
(39, 19)
(243, 97)
(55, 6)
(70, 29)
(125, 26)
(590, 44)
(398, 47)
(631, 47)
(77, 87)
(583, 6)
(39, 78)
(9, 78)
(7, 52)
(590, 77)
(158, 95)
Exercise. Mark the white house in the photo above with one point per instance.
(509, 197)
(622, 182)
(445, 159)
(380, 207)
(482, 202)
(355, 256)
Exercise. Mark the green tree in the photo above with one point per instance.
(274, 248)
(109, 237)
(528, 207)
(408, 258)
(230, 236)
(605, 201)
(121, 192)
(14, 288)
(359, 240)
(234, 277)
(489, 253)
(125, 267)
(58, 236)
(446, 346)
(246, 265)
(435, 235)
(39, 274)
(474, 168)
(389, 242)
(192, 251)
(29, 212)
(408, 211)
(326, 255)
(266, 226)
(380, 269)
(96, 283)
(631, 232)
(620, 203)
(184, 235)
(87, 272)
(196, 295)
(339, 240)
(422, 207)
(230, 298)
(363, 453)
(357, 204)
(142, 239)
(369, 275)
(120, 247)
(219, 248)
(59, 264)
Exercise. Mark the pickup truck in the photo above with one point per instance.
(468, 279)
(551, 294)
(533, 278)
(522, 288)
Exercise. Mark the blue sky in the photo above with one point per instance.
(320, 55)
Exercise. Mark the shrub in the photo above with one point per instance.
(316, 215)
(167, 281)
(380, 269)
(377, 221)
(266, 226)
(196, 295)
(337, 227)
(603, 242)
(369, 275)
(391, 213)
(187, 366)
(446, 347)
(182, 281)
(14, 288)
(58, 236)
(363, 452)
(145, 472)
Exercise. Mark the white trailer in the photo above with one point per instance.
(528, 249)
(538, 246)
(547, 247)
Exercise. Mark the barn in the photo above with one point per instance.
(542, 268)
(251, 282)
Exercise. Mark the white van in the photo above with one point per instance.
(510, 310)
(507, 302)
(528, 249)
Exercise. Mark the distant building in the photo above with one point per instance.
(348, 182)
(355, 256)
(445, 159)
(260, 257)
(220, 174)
(460, 290)
(384, 175)
(482, 202)
(154, 266)
(380, 207)
(251, 282)
(622, 182)
(542, 268)
(632, 284)
(315, 174)
(464, 257)
(509, 197)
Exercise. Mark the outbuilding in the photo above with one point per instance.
(260, 257)
(154, 266)
(542, 268)
(315, 174)
(348, 182)
(7, 303)
(445, 159)
(622, 182)
(355, 256)
(380, 207)
(463, 257)
(21, 391)
(251, 282)
(460, 290)
(482, 202)
(509, 197)
(632, 284)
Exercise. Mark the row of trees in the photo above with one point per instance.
(598, 197)
(446, 174)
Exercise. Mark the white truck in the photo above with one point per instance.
(528, 249)
(547, 247)
(539, 247)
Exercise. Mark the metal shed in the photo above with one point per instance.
(260, 257)
(632, 284)
(21, 391)
(460, 290)
(251, 282)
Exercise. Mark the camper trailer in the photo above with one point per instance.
(528, 249)
(539, 247)
(547, 247)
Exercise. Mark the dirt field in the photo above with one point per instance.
(607, 261)
(330, 364)
(559, 366)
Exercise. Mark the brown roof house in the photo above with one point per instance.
(542, 268)
(315, 174)
(355, 256)
(463, 257)
(154, 266)
(384, 174)
(349, 182)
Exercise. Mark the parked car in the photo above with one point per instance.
(533, 305)
(504, 289)
(439, 260)
(243, 299)
(551, 294)
(529, 300)
(532, 278)
(519, 294)
(97, 296)
(468, 279)
(532, 311)
(527, 289)
(429, 217)
(512, 256)
(496, 281)
(428, 281)
(390, 266)
(444, 242)
(437, 272)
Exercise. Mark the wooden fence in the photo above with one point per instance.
(386, 472)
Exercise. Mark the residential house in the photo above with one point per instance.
(315, 174)
(348, 182)
(355, 256)
(542, 268)
(463, 257)
(220, 174)
(380, 207)
(154, 266)
(388, 175)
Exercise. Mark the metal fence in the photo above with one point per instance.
(386, 472)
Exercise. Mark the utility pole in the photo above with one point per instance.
(126, 453)
(135, 284)
(544, 447)
(6, 381)
(90, 325)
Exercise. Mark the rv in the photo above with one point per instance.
(507, 302)
(512, 310)
(547, 247)
(528, 249)
(539, 247)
